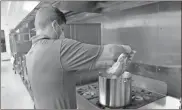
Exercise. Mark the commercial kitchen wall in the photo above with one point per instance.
(154, 31)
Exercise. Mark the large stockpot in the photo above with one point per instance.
(115, 92)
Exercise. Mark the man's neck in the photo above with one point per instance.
(45, 33)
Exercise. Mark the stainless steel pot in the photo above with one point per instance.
(115, 92)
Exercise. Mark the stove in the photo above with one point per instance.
(140, 97)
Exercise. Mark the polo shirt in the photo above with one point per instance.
(51, 66)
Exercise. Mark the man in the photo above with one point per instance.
(53, 60)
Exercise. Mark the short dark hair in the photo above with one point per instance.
(47, 15)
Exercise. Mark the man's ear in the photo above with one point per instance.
(54, 24)
(63, 26)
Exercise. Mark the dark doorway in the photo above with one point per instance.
(3, 43)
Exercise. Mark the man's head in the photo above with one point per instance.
(49, 21)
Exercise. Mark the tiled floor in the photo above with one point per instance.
(13, 93)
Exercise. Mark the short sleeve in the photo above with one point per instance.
(77, 56)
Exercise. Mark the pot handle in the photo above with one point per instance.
(125, 80)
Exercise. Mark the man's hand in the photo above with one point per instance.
(127, 48)
(111, 53)
(131, 55)
(117, 50)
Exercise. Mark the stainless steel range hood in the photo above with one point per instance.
(86, 9)
(78, 10)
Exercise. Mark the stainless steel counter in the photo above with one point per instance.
(167, 102)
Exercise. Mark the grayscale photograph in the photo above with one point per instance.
(90, 55)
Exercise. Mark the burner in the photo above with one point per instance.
(89, 92)
(146, 97)
(100, 105)
(138, 98)
(149, 93)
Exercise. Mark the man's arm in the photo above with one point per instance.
(76, 56)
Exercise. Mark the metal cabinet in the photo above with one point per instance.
(85, 33)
